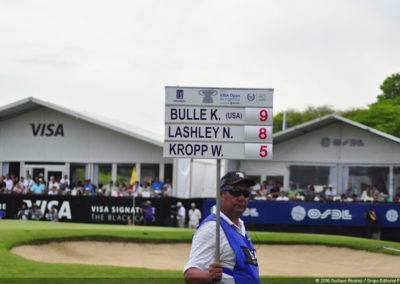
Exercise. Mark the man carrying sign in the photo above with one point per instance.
(238, 259)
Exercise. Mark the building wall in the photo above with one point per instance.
(81, 141)
(338, 143)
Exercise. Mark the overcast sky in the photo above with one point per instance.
(113, 58)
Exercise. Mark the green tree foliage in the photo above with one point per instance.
(382, 115)
(294, 117)
(390, 88)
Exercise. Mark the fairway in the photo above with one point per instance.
(17, 232)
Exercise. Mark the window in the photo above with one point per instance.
(359, 177)
(104, 176)
(303, 176)
(77, 172)
(124, 173)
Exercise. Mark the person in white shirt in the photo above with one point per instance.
(65, 181)
(9, 184)
(194, 216)
(282, 196)
(330, 191)
(181, 215)
(53, 183)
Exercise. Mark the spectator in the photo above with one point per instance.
(167, 189)
(53, 214)
(87, 192)
(77, 190)
(343, 198)
(275, 192)
(37, 188)
(349, 191)
(88, 185)
(157, 186)
(2, 214)
(53, 191)
(65, 181)
(194, 216)
(3, 188)
(9, 184)
(255, 191)
(397, 195)
(137, 189)
(28, 183)
(318, 197)
(22, 185)
(330, 191)
(148, 211)
(309, 193)
(23, 213)
(270, 185)
(181, 215)
(365, 195)
(292, 192)
(17, 189)
(53, 183)
(147, 190)
(36, 213)
(282, 196)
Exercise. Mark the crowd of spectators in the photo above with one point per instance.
(10, 184)
(273, 191)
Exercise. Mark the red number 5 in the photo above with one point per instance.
(263, 151)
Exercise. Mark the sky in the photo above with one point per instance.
(114, 58)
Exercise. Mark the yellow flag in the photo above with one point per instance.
(133, 178)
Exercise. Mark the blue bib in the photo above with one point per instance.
(246, 267)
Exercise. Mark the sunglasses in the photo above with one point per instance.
(236, 192)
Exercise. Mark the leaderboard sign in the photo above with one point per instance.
(216, 123)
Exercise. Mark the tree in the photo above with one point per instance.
(390, 88)
(294, 117)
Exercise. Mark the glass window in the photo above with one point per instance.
(77, 172)
(105, 175)
(359, 177)
(124, 173)
(303, 176)
(149, 172)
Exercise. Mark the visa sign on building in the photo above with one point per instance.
(216, 123)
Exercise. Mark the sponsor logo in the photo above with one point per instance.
(325, 142)
(251, 97)
(207, 95)
(392, 215)
(179, 94)
(47, 129)
(64, 211)
(298, 214)
(337, 142)
(252, 212)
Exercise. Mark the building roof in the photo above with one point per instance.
(322, 122)
(30, 104)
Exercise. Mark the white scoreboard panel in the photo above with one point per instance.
(219, 123)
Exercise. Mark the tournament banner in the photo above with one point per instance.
(97, 209)
(315, 214)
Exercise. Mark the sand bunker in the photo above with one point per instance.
(285, 260)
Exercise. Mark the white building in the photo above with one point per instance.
(40, 137)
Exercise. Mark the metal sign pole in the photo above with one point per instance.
(217, 211)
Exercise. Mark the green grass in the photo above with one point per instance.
(14, 232)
